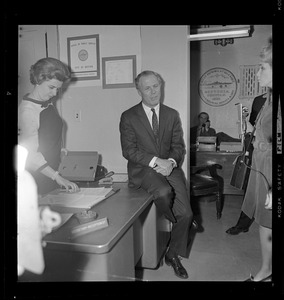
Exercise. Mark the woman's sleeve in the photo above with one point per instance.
(28, 137)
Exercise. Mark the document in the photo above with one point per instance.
(85, 199)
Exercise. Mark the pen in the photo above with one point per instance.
(109, 174)
(115, 191)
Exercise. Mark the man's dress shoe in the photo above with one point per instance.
(195, 225)
(236, 230)
(180, 271)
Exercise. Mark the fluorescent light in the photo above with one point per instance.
(220, 33)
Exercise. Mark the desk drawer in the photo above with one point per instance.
(156, 235)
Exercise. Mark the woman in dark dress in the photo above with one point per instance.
(257, 202)
(40, 125)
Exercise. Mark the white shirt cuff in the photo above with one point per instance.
(153, 162)
(175, 163)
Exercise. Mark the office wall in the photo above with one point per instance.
(159, 48)
(100, 108)
(165, 50)
(205, 55)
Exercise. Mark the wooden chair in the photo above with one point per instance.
(206, 184)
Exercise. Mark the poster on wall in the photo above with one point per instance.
(83, 57)
(217, 87)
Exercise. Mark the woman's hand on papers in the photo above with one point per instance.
(68, 185)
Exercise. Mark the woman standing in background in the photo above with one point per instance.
(40, 125)
(258, 198)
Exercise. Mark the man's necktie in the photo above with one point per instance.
(155, 125)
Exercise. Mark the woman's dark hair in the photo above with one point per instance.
(203, 113)
(47, 69)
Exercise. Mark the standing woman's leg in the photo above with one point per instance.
(266, 251)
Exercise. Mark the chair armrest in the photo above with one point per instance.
(212, 168)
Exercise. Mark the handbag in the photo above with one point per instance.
(240, 175)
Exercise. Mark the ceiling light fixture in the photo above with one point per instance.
(223, 32)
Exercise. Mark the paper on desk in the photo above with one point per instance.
(84, 199)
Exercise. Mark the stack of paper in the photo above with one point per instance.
(85, 199)
(231, 146)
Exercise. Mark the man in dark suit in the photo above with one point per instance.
(244, 222)
(152, 142)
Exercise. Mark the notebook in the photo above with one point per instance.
(79, 166)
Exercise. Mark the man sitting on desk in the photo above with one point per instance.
(203, 129)
(152, 142)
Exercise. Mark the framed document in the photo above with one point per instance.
(119, 71)
(84, 57)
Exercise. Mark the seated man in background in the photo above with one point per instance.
(203, 129)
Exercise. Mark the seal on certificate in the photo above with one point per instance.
(83, 55)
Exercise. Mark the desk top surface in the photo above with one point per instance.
(217, 152)
(121, 209)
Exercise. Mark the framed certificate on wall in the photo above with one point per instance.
(119, 71)
(84, 57)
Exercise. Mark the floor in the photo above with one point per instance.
(215, 255)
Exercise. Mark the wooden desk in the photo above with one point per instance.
(107, 254)
(225, 159)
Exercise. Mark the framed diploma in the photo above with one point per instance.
(84, 57)
(119, 71)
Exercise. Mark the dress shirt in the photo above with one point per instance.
(149, 115)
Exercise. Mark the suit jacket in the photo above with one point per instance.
(193, 133)
(256, 106)
(138, 141)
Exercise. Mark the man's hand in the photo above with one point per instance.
(163, 166)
